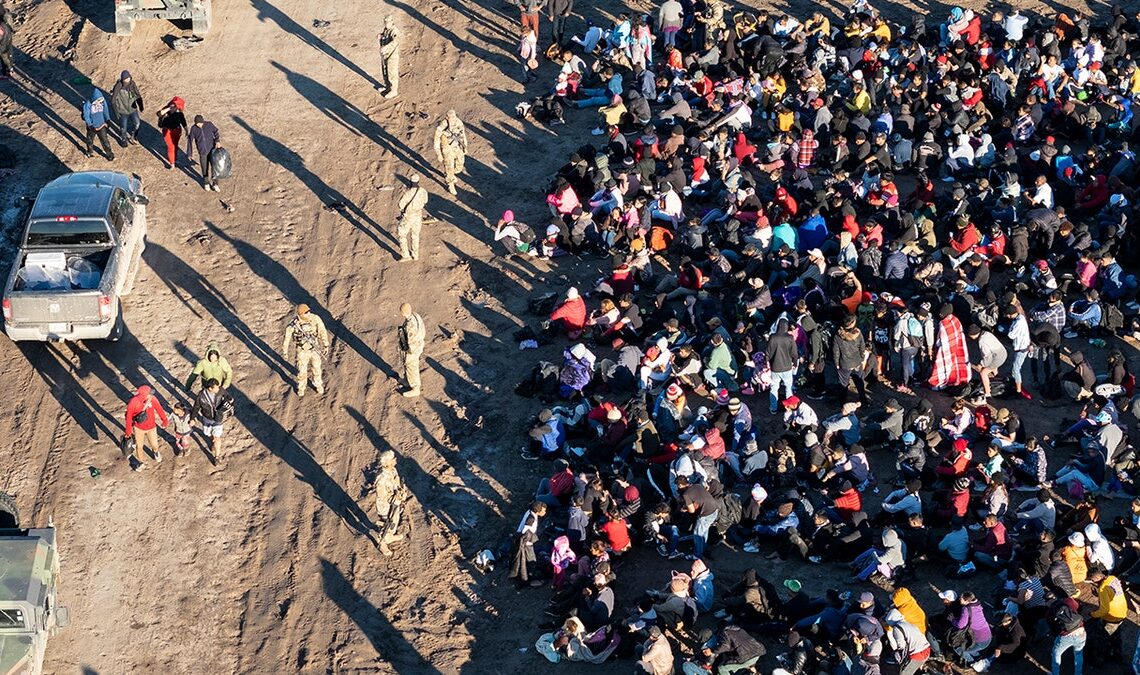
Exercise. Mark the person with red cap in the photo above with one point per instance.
(144, 414)
(172, 122)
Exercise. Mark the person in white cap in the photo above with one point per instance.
(411, 219)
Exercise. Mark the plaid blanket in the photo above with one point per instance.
(951, 360)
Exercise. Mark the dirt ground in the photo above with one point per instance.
(267, 562)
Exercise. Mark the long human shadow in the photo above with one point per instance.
(429, 491)
(283, 156)
(456, 41)
(190, 286)
(54, 368)
(352, 118)
(288, 448)
(386, 639)
(267, 11)
(34, 99)
(264, 266)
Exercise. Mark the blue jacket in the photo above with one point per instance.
(95, 112)
(813, 233)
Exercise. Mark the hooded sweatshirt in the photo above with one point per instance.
(219, 370)
(911, 611)
(138, 405)
(125, 97)
(782, 352)
(95, 113)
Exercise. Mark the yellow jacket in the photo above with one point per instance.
(1075, 559)
(1113, 603)
(910, 609)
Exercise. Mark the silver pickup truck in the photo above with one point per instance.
(78, 256)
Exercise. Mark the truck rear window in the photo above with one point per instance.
(84, 231)
(11, 618)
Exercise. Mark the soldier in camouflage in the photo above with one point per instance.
(451, 147)
(307, 333)
(390, 495)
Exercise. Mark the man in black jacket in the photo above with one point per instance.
(783, 357)
(205, 137)
(736, 651)
(212, 408)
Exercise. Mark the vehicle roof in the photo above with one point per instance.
(15, 650)
(25, 568)
(85, 194)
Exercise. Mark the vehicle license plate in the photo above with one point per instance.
(58, 328)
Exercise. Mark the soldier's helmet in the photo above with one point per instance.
(387, 458)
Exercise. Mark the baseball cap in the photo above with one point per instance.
(793, 585)
(948, 596)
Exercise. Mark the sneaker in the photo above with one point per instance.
(138, 466)
(529, 456)
(1070, 334)
(597, 132)
(666, 553)
(1026, 395)
(814, 559)
(157, 457)
(750, 547)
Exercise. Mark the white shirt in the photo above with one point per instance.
(1043, 196)
(1015, 27)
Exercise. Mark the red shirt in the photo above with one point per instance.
(965, 239)
(144, 401)
(562, 483)
(572, 313)
(848, 503)
(617, 535)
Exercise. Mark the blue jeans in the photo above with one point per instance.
(543, 494)
(1063, 643)
(786, 378)
(907, 355)
(130, 124)
(701, 532)
(1018, 362)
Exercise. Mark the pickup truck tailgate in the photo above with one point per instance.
(49, 307)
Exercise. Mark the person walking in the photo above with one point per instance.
(451, 146)
(307, 333)
(213, 367)
(389, 40)
(97, 118)
(7, 32)
(390, 496)
(172, 122)
(411, 219)
(559, 12)
(144, 415)
(213, 407)
(204, 137)
(528, 13)
(127, 103)
(412, 335)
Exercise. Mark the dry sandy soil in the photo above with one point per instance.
(267, 562)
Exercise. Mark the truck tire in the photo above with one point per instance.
(9, 514)
(124, 25)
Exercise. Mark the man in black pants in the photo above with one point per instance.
(204, 136)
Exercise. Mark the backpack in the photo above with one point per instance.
(731, 510)
(1065, 620)
(1111, 318)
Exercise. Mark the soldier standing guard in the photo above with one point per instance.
(412, 335)
(451, 147)
(390, 495)
(389, 40)
(307, 332)
(411, 219)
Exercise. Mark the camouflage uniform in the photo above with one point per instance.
(451, 147)
(389, 40)
(411, 219)
(412, 335)
(307, 332)
(390, 495)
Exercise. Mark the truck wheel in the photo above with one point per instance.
(9, 515)
(123, 25)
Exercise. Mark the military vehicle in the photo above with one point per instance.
(29, 575)
(127, 12)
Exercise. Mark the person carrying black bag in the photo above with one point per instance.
(213, 407)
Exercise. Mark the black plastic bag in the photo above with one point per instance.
(221, 166)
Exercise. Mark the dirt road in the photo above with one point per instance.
(268, 560)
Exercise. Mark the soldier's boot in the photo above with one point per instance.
(392, 538)
(411, 393)
(384, 549)
(301, 389)
(451, 187)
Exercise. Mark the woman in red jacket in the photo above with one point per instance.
(144, 413)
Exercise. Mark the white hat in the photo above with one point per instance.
(948, 596)
(697, 443)
(1077, 539)
(759, 493)
(613, 415)
(415, 178)
(578, 351)
(572, 293)
(815, 253)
